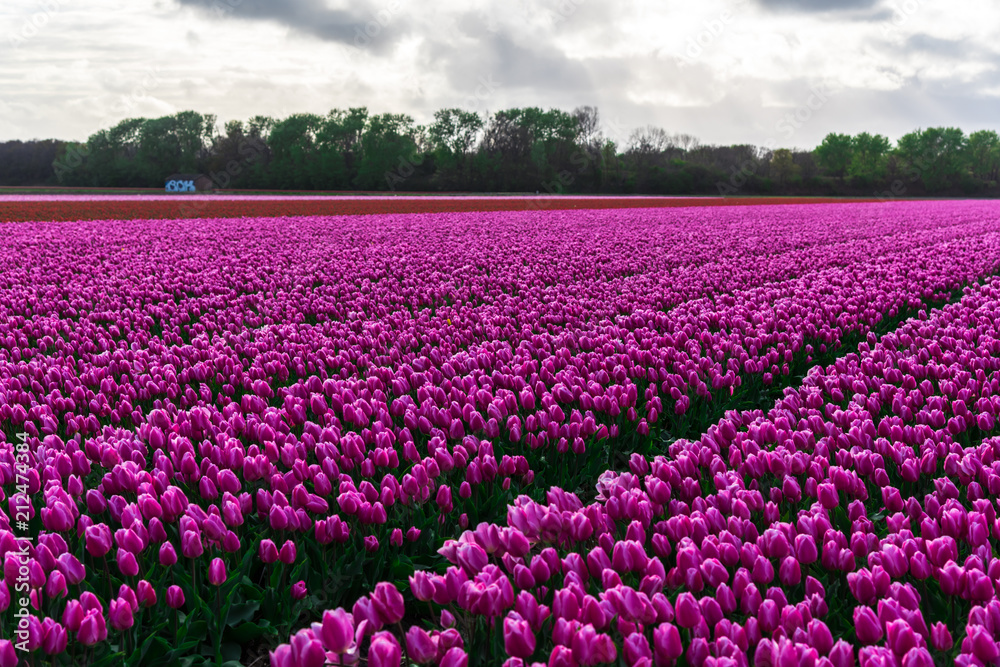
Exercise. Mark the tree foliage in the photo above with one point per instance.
(523, 149)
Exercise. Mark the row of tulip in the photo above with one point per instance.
(358, 391)
(862, 506)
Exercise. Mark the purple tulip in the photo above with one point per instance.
(940, 637)
(337, 630)
(93, 628)
(866, 625)
(384, 651)
(388, 603)
(120, 614)
(54, 641)
(419, 646)
(687, 610)
(518, 637)
(98, 540)
(217, 572)
(454, 657)
(287, 553)
(175, 597)
(8, 654)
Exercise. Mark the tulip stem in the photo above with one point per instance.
(221, 621)
(402, 641)
(107, 579)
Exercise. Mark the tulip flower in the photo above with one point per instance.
(454, 657)
(127, 563)
(940, 637)
(666, 643)
(287, 553)
(8, 654)
(120, 614)
(53, 643)
(175, 597)
(93, 628)
(337, 630)
(217, 572)
(98, 540)
(306, 650)
(866, 625)
(388, 603)
(191, 545)
(384, 651)
(267, 551)
(687, 610)
(518, 638)
(419, 646)
(56, 585)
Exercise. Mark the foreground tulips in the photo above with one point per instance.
(779, 538)
(214, 429)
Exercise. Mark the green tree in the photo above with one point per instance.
(294, 152)
(783, 166)
(339, 143)
(936, 157)
(173, 144)
(868, 156)
(452, 137)
(983, 155)
(388, 152)
(835, 153)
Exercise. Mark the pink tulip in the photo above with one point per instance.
(98, 540)
(388, 603)
(8, 654)
(217, 572)
(337, 630)
(93, 628)
(384, 651)
(419, 646)
(175, 597)
(287, 553)
(518, 638)
(120, 615)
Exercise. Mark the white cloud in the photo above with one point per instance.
(897, 64)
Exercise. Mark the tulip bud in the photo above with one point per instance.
(337, 630)
(217, 572)
(384, 651)
(175, 597)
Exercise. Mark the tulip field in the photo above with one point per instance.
(73, 207)
(714, 436)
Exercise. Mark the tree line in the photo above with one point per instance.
(513, 150)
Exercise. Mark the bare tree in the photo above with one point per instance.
(588, 120)
(685, 142)
(649, 139)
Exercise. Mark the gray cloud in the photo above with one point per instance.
(512, 64)
(952, 48)
(895, 69)
(365, 25)
(819, 5)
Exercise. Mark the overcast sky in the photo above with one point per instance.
(784, 72)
